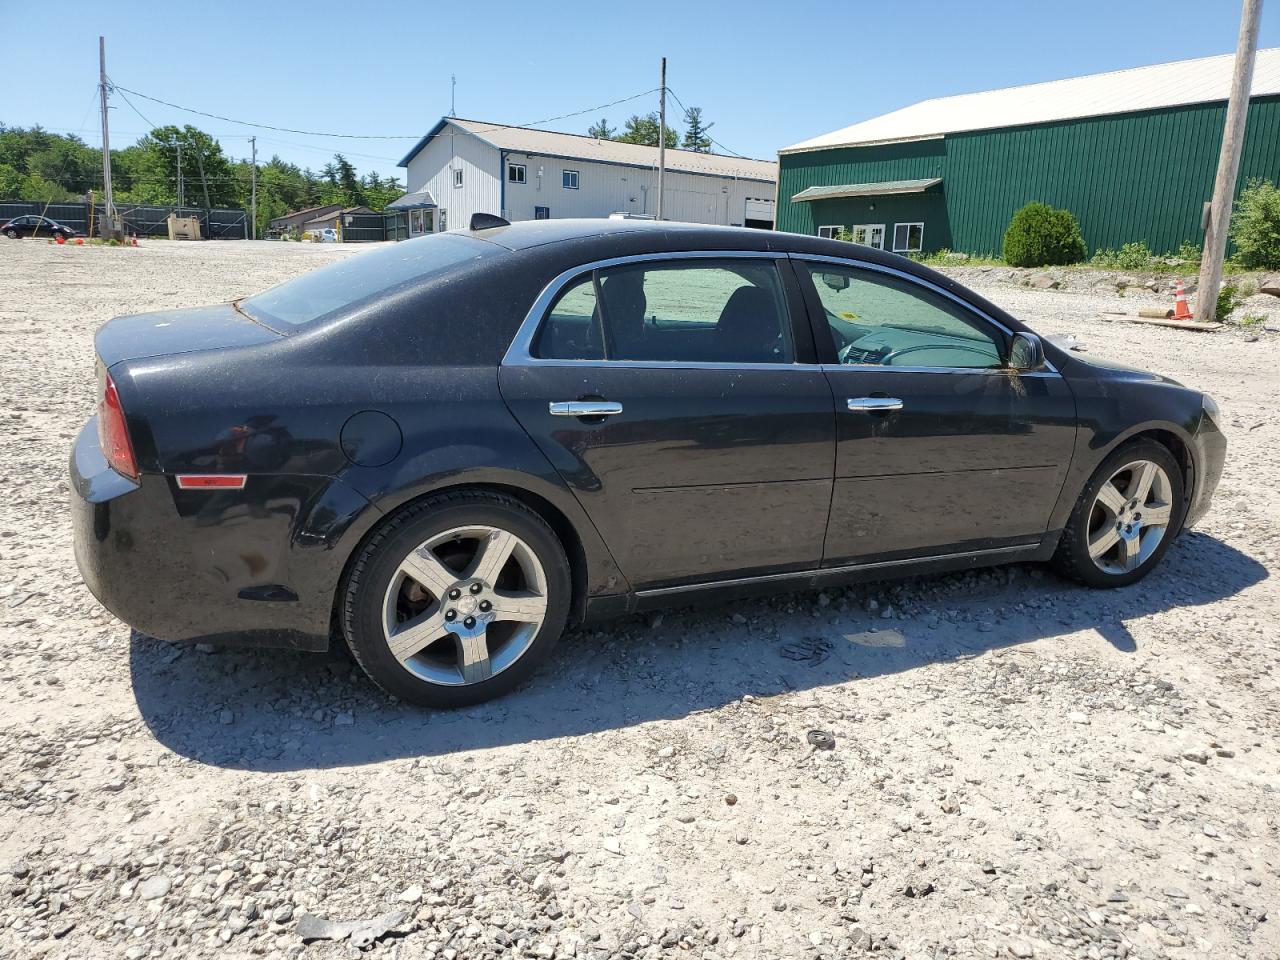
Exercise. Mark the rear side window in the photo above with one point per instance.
(362, 278)
(695, 311)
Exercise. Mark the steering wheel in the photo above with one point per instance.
(888, 359)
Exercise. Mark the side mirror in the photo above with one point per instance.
(1026, 352)
(836, 281)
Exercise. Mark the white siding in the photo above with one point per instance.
(433, 168)
(603, 188)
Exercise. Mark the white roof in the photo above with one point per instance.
(581, 147)
(1121, 91)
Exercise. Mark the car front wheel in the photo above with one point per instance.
(11, 234)
(457, 600)
(1126, 518)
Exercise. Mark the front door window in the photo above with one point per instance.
(884, 320)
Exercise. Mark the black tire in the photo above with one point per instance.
(370, 574)
(1072, 556)
(11, 234)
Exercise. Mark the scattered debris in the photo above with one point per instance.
(361, 933)
(821, 739)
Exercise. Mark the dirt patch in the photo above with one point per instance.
(1021, 767)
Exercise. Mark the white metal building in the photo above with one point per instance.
(469, 166)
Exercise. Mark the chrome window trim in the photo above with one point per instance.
(520, 353)
(1052, 371)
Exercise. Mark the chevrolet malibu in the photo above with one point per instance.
(443, 451)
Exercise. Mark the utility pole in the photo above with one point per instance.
(1224, 186)
(204, 182)
(109, 215)
(253, 194)
(180, 196)
(453, 94)
(662, 133)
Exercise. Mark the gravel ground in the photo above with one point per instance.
(1021, 767)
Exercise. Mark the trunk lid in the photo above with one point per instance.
(168, 332)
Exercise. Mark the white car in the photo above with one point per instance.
(328, 235)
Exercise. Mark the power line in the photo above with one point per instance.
(735, 153)
(364, 136)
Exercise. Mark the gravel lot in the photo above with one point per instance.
(1021, 768)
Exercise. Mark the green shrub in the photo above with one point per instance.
(1134, 256)
(1040, 236)
(1255, 226)
(1228, 299)
(1189, 252)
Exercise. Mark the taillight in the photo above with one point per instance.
(113, 434)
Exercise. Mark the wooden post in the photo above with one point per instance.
(1224, 186)
(662, 133)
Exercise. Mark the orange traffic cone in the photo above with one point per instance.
(135, 240)
(1180, 309)
(59, 239)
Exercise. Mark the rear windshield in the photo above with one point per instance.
(362, 277)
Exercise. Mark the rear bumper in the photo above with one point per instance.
(258, 566)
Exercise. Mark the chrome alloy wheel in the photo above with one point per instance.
(465, 605)
(1130, 517)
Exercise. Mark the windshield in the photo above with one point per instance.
(363, 277)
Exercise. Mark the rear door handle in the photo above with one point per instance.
(873, 404)
(585, 408)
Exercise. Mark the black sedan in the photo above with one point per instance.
(34, 225)
(445, 450)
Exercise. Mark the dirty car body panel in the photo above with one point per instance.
(714, 480)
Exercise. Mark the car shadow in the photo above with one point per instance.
(278, 711)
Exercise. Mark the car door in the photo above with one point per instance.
(678, 398)
(940, 449)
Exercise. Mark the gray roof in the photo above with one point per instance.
(882, 189)
(574, 146)
(413, 201)
(1205, 80)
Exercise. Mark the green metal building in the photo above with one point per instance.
(1131, 153)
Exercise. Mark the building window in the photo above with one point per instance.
(908, 237)
(832, 232)
(542, 213)
(415, 221)
(457, 177)
(569, 179)
(515, 173)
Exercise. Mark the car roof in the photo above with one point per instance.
(525, 234)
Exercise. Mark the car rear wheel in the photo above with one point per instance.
(1125, 519)
(457, 600)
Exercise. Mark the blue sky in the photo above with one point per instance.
(768, 74)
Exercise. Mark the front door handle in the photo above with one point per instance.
(585, 408)
(873, 404)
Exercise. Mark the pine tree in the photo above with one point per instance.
(602, 131)
(644, 130)
(695, 132)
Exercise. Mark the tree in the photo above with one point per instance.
(1255, 226)
(1041, 236)
(644, 130)
(695, 131)
(148, 171)
(602, 131)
